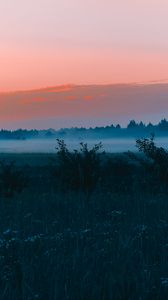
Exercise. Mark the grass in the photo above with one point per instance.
(63, 243)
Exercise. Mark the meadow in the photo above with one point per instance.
(86, 225)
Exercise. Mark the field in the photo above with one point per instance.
(101, 239)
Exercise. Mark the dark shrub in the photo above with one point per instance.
(79, 169)
(157, 160)
(158, 154)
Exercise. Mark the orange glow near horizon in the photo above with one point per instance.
(83, 105)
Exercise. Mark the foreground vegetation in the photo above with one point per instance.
(84, 225)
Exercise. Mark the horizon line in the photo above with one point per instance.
(115, 124)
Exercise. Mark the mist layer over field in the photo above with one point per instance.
(112, 145)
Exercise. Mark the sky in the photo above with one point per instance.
(53, 42)
(46, 43)
(83, 105)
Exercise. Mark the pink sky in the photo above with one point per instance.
(67, 43)
(53, 42)
(83, 105)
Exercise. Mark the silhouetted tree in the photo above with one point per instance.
(163, 125)
(132, 125)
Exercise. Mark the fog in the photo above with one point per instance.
(49, 145)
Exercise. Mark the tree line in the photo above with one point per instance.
(132, 129)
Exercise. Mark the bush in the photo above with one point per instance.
(158, 154)
(158, 159)
(79, 169)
